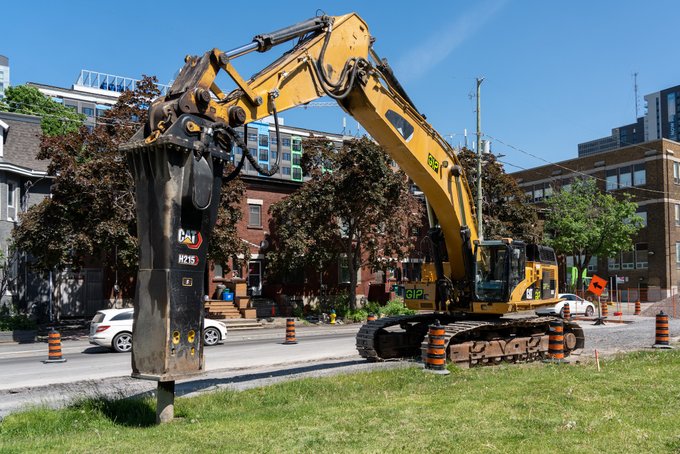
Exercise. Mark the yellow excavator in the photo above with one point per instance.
(471, 286)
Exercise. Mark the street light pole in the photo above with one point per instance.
(480, 233)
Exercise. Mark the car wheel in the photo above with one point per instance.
(122, 342)
(211, 336)
(590, 311)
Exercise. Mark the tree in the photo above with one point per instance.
(56, 120)
(584, 222)
(92, 211)
(354, 205)
(506, 213)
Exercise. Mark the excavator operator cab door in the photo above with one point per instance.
(499, 266)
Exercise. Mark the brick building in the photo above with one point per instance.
(261, 194)
(650, 171)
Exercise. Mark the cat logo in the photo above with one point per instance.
(190, 238)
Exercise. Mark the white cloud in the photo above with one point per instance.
(439, 45)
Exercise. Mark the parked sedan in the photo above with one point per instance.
(577, 305)
(112, 328)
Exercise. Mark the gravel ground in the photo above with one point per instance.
(636, 333)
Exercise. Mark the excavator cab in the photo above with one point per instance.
(499, 268)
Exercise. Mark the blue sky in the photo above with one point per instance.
(556, 73)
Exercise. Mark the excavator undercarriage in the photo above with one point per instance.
(468, 342)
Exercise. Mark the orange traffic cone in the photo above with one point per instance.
(290, 332)
(54, 348)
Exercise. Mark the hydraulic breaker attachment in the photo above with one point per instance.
(178, 178)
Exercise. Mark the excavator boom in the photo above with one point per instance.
(334, 57)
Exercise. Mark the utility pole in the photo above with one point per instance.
(635, 88)
(479, 163)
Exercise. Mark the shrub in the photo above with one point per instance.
(16, 322)
(358, 315)
(396, 307)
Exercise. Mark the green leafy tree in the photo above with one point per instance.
(354, 205)
(584, 222)
(56, 119)
(92, 211)
(505, 209)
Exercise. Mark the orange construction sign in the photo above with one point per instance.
(597, 285)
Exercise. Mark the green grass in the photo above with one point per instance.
(632, 405)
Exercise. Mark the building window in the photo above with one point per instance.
(285, 142)
(264, 140)
(252, 137)
(11, 201)
(273, 155)
(676, 172)
(264, 155)
(297, 144)
(592, 265)
(614, 263)
(254, 215)
(639, 175)
(538, 195)
(343, 268)
(297, 159)
(272, 139)
(10, 195)
(625, 177)
(641, 256)
(286, 156)
(252, 151)
(285, 170)
(628, 260)
(643, 215)
(548, 192)
(297, 173)
(677, 254)
(612, 181)
(88, 111)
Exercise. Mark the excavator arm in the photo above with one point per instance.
(334, 57)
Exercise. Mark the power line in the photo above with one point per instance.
(578, 172)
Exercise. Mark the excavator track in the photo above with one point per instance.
(468, 342)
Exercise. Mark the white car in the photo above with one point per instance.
(577, 305)
(112, 328)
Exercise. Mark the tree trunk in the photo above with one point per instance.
(352, 285)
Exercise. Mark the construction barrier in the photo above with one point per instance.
(566, 311)
(290, 332)
(435, 359)
(662, 339)
(604, 309)
(54, 348)
(638, 308)
(370, 318)
(556, 341)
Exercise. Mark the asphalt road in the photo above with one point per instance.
(247, 359)
(21, 364)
